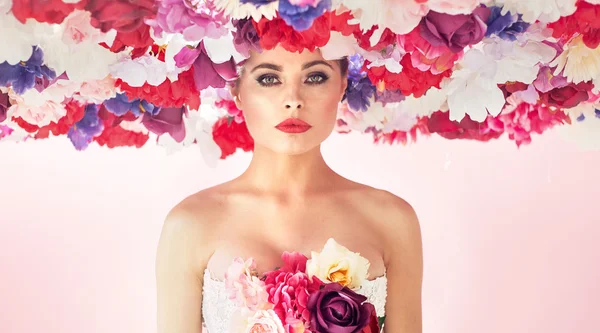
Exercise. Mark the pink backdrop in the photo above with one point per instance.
(510, 236)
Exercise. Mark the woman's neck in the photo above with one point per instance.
(289, 175)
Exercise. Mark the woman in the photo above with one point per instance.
(288, 199)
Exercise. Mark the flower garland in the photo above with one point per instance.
(127, 72)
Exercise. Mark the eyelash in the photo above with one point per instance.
(261, 79)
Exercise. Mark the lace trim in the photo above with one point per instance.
(217, 309)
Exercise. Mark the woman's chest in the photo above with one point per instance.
(265, 234)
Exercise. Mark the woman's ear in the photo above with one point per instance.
(235, 93)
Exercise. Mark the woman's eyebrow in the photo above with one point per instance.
(314, 63)
(268, 66)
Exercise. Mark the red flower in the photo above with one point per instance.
(402, 137)
(568, 96)
(387, 38)
(75, 113)
(139, 39)
(49, 11)
(440, 123)
(114, 135)
(121, 15)
(276, 31)
(409, 81)
(167, 94)
(230, 136)
(584, 21)
(373, 325)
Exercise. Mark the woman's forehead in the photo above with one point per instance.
(284, 58)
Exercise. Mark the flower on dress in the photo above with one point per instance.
(336, 263)
(244, 287)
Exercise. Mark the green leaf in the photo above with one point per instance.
(381, 321)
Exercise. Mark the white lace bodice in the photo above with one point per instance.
(217, 309)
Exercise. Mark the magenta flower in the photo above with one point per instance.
(209, 74)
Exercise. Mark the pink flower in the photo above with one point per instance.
(262, 321)
(426, 57)
(289, 289)
(244, 287)
(304, 3)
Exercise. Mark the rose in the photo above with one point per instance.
(336, 263)
(289, 288)
(261, 321)
(568, 96)
(245, 37)
(338, 309)
(455, 31)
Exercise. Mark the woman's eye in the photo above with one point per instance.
(268, 80)
(316, 79)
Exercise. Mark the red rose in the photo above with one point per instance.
(48, 11)
(121, 15)
(230, 136)
(567, 96)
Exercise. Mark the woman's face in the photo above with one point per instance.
(276, 85)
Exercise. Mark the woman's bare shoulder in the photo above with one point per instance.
(200, 208)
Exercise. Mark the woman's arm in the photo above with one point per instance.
(405, 271)
(180, 261)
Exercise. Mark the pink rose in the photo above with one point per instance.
(290, 287)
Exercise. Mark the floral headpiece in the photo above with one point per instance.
(123, 72)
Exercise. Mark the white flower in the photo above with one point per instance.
(34, 108)
(236, 10)
(579, 62)
(453, 7)
(399, 118)
(335, 263)
(20, 38)
(434, 100)
(359, 121)
(339, 46)
(138, 71)
(546, 11)
(473, 89)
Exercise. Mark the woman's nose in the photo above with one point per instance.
(293, 99)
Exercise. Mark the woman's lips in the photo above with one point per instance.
(293, 125)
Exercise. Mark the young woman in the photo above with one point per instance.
(288, 199)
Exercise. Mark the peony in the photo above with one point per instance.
(121, 15)
(336, 263)
(338, 309)
(568, 96)
(289, 288)
(455, 31)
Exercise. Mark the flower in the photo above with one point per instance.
(23, 76)
(210, 74)
(230, 136)
(238, 10)
(453, 6)
(52, 11)
(506, 26)
(245, 288)
(336, 263)
(121, 104)
(426, 57)
(302, 17)
(289, 288)
(257, 3)
(400, 16)
(578, 63)
(262, 321)
(440, 123)
(545, 11)
(168, 120)
(194, 19)
(336, 308)
(583, 22)
(302, 3)
(455, 31)
(116, 135)
(4, 105)
(568, 96)
(84, 131)
(245, 37)
(120, 15)
(277, 32)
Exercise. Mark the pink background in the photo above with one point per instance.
(510, 236)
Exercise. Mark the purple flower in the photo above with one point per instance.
(245, 37)
(389, 96)
(505, 26)
(23, 76)
(121, 104)
(597, 113)
(358, 94)
(168, 120)
(338, 309)
(257, 3)
(301, 17)
(4, 105)
(83, 132)
(455, 31)
(209, 74)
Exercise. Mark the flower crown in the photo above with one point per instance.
(123, 72)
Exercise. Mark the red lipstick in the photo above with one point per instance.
(293, 125)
